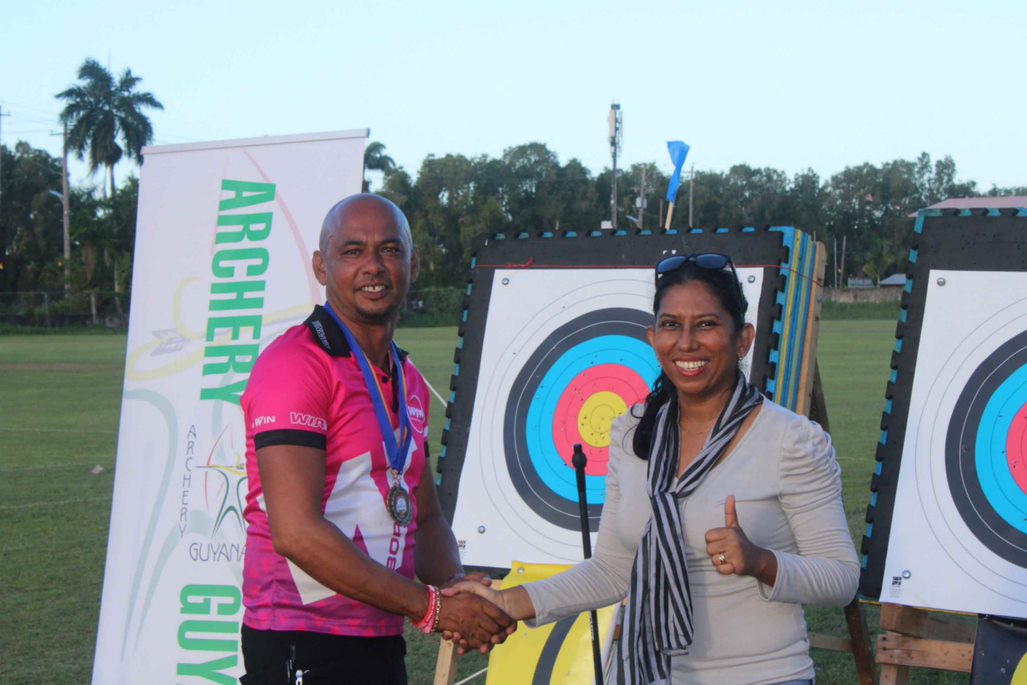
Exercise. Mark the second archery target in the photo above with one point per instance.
(958, 538)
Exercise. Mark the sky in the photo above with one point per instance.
(792, 85)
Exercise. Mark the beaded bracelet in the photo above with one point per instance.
(430, 622)
(438, 613)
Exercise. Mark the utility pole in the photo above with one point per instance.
(2, 115)
(841, 270)
(835, 239)
(66, 206)
(616, 126)
(1, 163)
(641, 200)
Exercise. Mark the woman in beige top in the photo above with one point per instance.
(723, 511)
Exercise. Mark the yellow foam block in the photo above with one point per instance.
(558, 653)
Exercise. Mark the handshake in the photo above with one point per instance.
(474, 615)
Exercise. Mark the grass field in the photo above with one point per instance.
(59, 401)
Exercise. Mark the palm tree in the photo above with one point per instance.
(375, 159)
(100, 112)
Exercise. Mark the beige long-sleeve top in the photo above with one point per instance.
(787, 484)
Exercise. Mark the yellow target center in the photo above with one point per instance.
(597, 415)
(1020, 674)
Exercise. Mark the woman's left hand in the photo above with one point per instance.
(732, 553)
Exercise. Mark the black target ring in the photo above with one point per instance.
(533, 489)
(996, 516)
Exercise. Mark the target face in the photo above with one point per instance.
(961, 503)
(564, 353)
(584, 375)
(986, 452)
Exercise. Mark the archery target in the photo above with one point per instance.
(961, 502)
(578, 380)
(564, 353)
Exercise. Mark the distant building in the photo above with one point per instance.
(893, 281)
(1006, 202)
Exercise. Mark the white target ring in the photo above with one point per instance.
(960, 516)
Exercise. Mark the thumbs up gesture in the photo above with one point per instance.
(730, 513)
(732, 553)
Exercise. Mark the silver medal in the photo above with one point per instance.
(398, 504)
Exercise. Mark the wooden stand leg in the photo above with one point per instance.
(445, 666)
(818, 406)
(862, 649)
(855, 618)
(894, 675)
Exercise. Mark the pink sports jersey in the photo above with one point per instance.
(306, 389)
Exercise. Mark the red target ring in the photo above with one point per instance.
(1016, 448)
(586, 409)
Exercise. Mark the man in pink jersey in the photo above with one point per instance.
(342, 512)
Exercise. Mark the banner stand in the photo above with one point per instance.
(224, 234)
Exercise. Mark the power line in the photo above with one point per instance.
(32, 118)
(22, 131)
(30, 108)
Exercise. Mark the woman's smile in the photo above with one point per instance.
(696, 342)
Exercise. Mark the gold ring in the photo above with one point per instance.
(721, 559)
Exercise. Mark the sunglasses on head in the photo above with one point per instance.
(712, 261)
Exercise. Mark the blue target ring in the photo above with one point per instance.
(606, 337)
(620, 350)
(978, 469)
(997, 483)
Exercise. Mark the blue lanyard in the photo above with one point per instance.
(397, 455)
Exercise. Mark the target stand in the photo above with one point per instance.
(947, 521)
(553, 347)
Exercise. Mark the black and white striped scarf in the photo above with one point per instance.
(659, 621)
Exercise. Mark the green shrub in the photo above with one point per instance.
(843, 311)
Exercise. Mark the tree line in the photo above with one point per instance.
(104, 118)
(454, 198)
(450, 200)
(31, 228)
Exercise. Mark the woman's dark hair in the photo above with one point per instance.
(728, 291)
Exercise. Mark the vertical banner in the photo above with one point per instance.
(222, 266)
